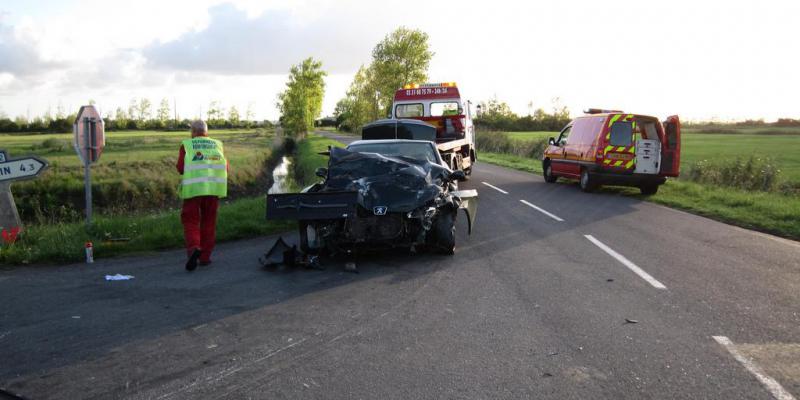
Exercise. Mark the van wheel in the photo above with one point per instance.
(588, 183)
(649, 190)
(548, 173)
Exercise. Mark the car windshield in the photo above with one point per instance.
(417, 151)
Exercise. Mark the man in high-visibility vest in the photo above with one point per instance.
(204, 167)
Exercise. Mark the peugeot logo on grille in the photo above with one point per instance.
(380, 210)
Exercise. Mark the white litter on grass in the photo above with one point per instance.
(119, 277)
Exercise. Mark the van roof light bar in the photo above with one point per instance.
(600, 111)
(429, 85)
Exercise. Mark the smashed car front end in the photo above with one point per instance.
(369, 201)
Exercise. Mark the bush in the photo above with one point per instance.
(760, 174)
(499, 142)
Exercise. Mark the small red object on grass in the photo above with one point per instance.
(9, 237)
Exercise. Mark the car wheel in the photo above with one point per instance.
(649, 190)
(444, 233)
(548, 172)
(588, 183)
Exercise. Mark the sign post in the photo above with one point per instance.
(89, 141)
(13, 169)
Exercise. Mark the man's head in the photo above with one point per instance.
(199, 128)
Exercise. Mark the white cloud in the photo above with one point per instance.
(234, 43)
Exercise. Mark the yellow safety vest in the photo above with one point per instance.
(205, 171)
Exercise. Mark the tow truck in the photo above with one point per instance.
(440, 105)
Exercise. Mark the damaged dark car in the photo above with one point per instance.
(376, 195)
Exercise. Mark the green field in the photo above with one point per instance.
(136, 171)
(153, 154)
(781, 147)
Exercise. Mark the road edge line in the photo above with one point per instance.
(628, 263)
(772, 386)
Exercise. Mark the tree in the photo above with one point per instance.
(359, 105)
(402, 57)
(249, 115)
(301, 103)
(120, 119)
(133, 109)
(233, 116)
(163, 110)
(214, 112)
(144, 109)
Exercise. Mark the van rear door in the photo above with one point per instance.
(671, 147)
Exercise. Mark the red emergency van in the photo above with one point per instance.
(609, 147)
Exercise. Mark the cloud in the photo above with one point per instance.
(235, 44)
(18, 54)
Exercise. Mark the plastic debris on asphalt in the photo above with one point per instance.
(119, 277)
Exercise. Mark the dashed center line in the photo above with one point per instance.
(542, 210)
(633, 267)
(495, 188)
(769, 383)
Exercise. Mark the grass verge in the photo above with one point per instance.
(65, 242)
(768, 212)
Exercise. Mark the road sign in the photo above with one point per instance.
(12, 169)
(89, 137)
(20, 168)
(89, 140)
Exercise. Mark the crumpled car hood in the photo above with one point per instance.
(401, 184)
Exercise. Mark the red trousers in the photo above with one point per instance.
(199, 218)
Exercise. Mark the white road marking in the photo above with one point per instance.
(770, 384)
(543, 211)
(633, 267)
(495, 188)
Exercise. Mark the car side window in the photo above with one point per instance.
(562, 138)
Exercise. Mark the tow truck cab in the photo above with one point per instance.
(440, 105)
(609, 147)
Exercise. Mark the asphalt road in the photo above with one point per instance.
(568, 296)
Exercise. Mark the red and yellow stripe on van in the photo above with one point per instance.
(619, 156)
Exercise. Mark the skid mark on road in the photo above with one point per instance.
(769, 383)
(542, 210)
(633, 267)
(495, 187)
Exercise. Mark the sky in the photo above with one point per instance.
(703, 60)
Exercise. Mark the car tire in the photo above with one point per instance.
(588, 181)
(547, 172)
(444, 233)
(649, 190)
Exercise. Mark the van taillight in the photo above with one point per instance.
(599, 155)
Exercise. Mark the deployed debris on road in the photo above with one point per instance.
(370, 201)
(281, 254)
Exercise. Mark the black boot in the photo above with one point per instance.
(191, 263)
